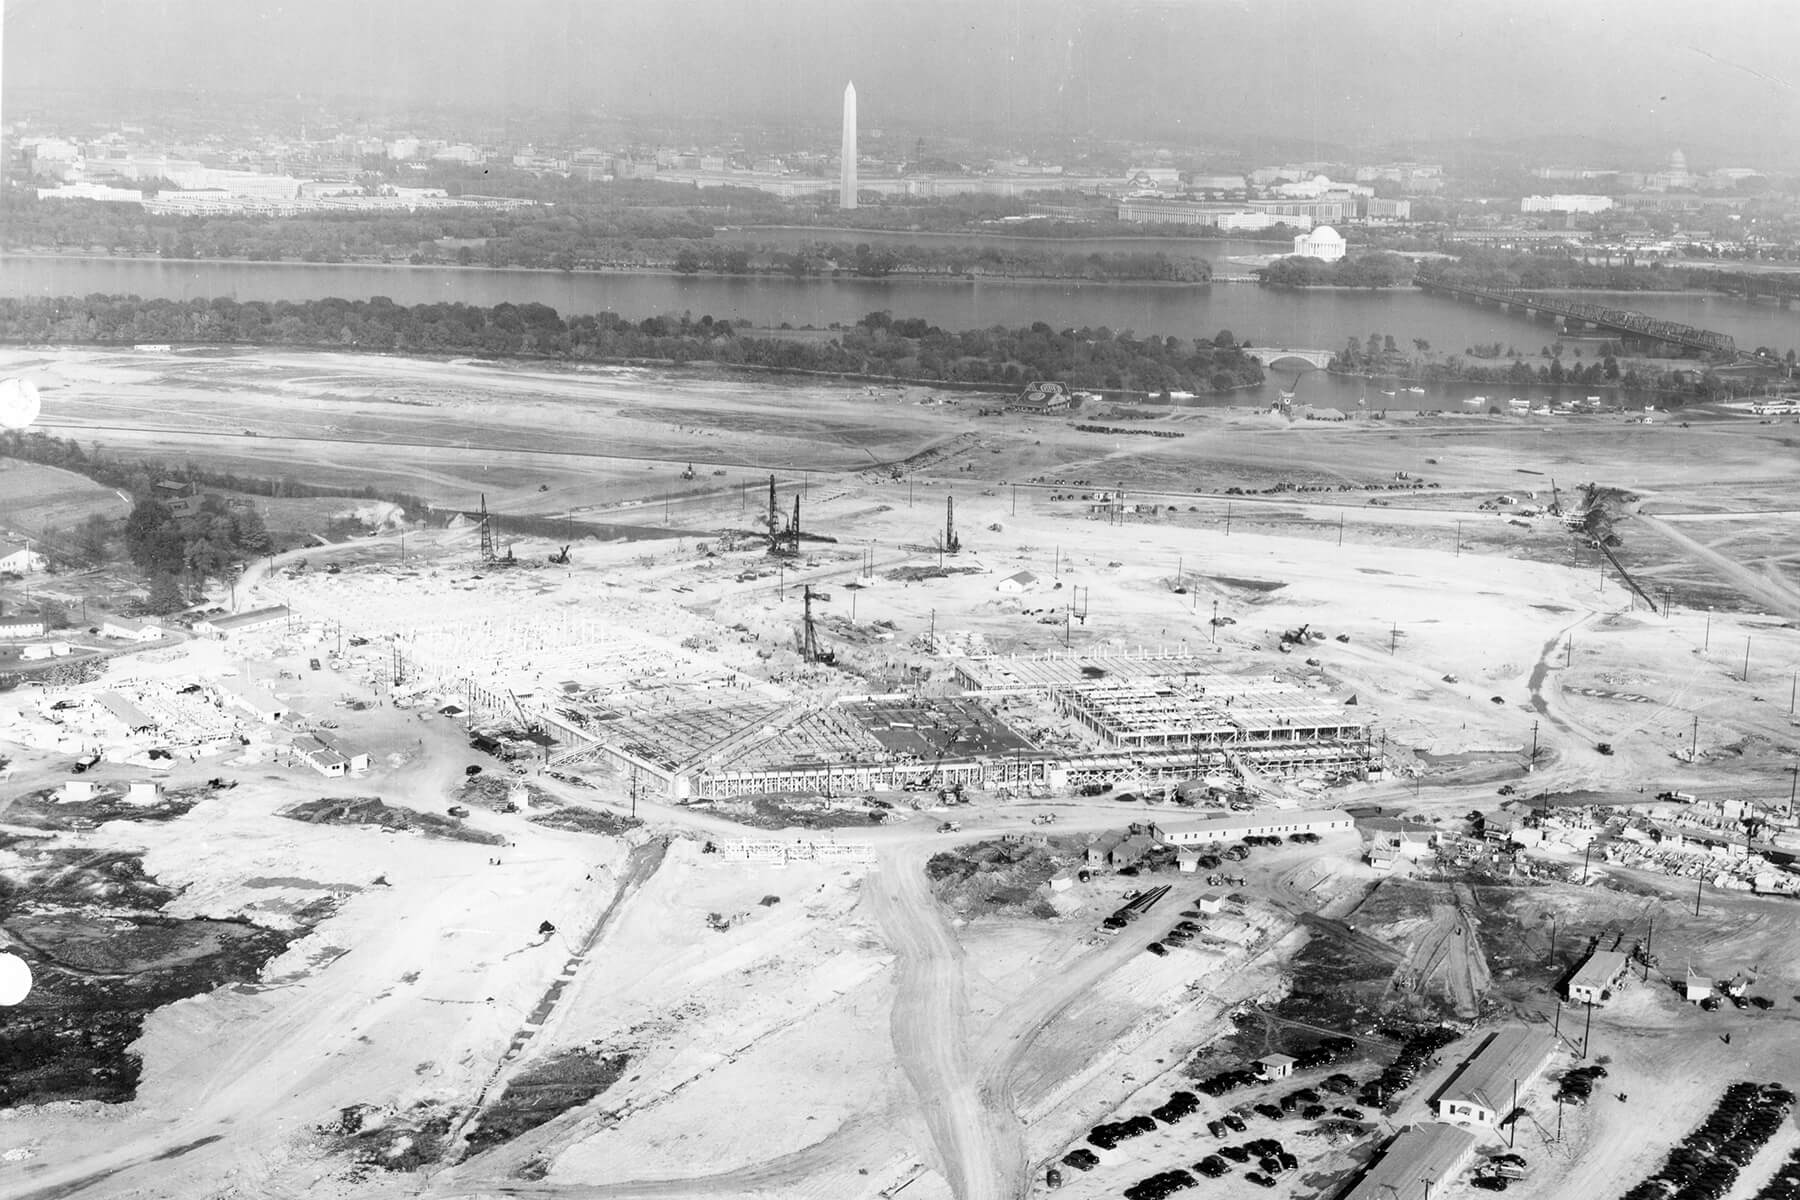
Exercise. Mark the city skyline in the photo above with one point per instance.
(1300, 69)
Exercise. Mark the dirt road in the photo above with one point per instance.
(1781, 596)
(981, 1152)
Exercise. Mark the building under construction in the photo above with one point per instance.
(1152, 719)
(1177, 715)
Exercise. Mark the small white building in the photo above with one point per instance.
(354, 759)
(1275, 1066)
(1323, 243)
(1482, 1092)
(1211, 904)
(141, 792)
(1699, 987)
(19, 558)
(1233, 828)
(132, 629)
(13, 628)
(77, 789)
(320, 757)
(1595, 980)
(227, 624)
(258, 703)
(1013, 585)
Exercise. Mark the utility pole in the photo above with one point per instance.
(1570, 660)
(1694, 741)
(1512, 1123)
(1228, 518)
(1706, 642)
(1213, 636)
(1588, 1029)
(1393, 638)
(1534, 741)
(909, 491)
(1698, 885)
(1015, 499)
(1459, 539)
(1746, 660)
(1792, 787)
(1792, 689)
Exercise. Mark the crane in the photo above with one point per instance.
(810, 649)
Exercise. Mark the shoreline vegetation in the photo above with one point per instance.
(630, 232)
(880, 347)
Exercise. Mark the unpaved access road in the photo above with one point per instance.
(981, 1151)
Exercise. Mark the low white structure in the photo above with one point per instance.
(1596, 979)
(132, 629)
(1242, 825)
(259, 704)
(354, 759)
(227, 624)
(14, 628)
(320, 757)
(1323, 243)
(19, 558)
(1699, 987)
(1275, 1066)
(141, 792)
(1482, 1093)
(1013, 585)
(1421, 1158)
(1211, 904)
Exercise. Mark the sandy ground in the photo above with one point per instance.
(852, 1039)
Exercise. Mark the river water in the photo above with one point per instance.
(1265, 316)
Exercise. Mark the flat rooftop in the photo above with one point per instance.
(1513, 1055)
(1422, 1152)
(1600, 969)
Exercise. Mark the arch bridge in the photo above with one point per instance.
(1268, 356)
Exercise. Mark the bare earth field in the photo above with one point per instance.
(559, 1012)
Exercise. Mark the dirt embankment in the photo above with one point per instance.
(371, 810)
(1000, 878)
(104, 957)
(544, 1091)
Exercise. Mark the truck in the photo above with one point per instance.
(1044, 819)
(949, 826)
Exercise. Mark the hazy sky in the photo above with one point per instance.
(1717, 78)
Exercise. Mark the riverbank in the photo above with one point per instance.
(898, 273)
(1027, 239)
(1265, 315)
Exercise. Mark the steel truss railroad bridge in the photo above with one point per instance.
(1625, 321)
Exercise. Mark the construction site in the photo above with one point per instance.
(960, 836)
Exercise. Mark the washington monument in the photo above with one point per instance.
(847, 181)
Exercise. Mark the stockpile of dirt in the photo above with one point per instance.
(1000, 878)
(44, 809)
(587, 820)
(370, 810)
(792, 812)
(544, 1091)
(499, 792)
(389, 1140)
(104, 958)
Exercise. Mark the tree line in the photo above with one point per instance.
(1377, 270)
(877, 346)
(573, 237)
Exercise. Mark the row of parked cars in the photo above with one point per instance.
(1706, 1163)
(1785, 1183)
